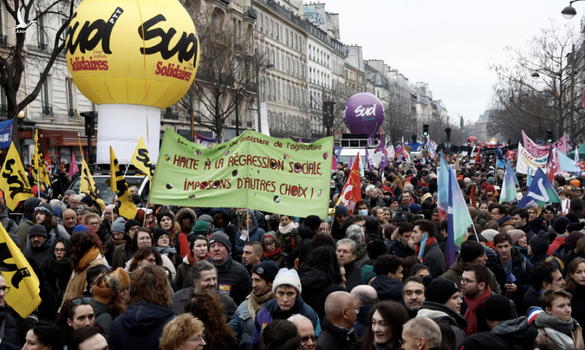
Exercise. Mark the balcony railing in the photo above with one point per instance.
(250, 12)
(47, 110)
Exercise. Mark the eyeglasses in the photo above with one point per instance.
(60, 250)
(466, 280)
(133, 229)
(200, 339)
(306, 339)
(402, 341)
(5, 289)
(79, 301)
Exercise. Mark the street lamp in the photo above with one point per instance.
(569, 11)
(259, 65)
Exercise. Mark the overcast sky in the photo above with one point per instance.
(449, 44)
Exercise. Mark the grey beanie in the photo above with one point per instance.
(118, 225)
(222, 238)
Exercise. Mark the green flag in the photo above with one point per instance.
(251, 171)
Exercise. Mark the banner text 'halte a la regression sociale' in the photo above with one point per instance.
(251, 171)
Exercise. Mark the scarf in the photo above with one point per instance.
(89, 256)
(257, 303)
(117, 242)
(423, 245)
(471, 313)
(285, 230)
(269, 255)
(168, 250)
(61, 269)
(545, 320)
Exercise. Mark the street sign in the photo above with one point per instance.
(539, 141)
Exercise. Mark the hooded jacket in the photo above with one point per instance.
(317, 285)
(28, 221)
(255, 233)
(186, 213)
(139, 327)
(228, 228)
(306, 246)
(272, 311)
(521, 269)
(516, 334)
(446, 316)
(41, 255)
(388, 288)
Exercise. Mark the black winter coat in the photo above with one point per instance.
(233, 280)
(333, 337)
(434, 259)
(139, 327)
(521, 269)
(317, 285)
(388, 288)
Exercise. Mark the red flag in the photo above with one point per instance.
(472, 195)
(48, 164)
(352, 191)
(551, 166)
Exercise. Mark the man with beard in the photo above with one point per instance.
(475, 289)
(242, 322)
(39, 246)
(70, 220)
(413, 294)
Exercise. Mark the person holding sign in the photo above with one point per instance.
(248, 230)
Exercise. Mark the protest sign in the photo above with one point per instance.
(251, 171)
(528, 161)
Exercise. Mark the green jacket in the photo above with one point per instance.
(454, 274)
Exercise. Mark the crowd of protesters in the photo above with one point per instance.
(374, 277)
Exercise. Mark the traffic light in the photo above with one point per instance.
(90, 118)
(426, 130)
(328, 113)
(549, 136)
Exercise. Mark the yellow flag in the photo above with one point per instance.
(23, 295)
(39, 171)
(87, 186)
(127, 208)
(141, 159)
(13, 180)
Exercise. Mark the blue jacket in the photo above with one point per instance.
(242, 324)
(388, 288)
(272, 311)
(139, 327)
(256, 233)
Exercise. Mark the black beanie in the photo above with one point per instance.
(481, 341)
(131, 223)
(471, 250)
(158, 232)
(498, 308)
(372, 224)
(539, 245)
(440, 290)
(560, 224)
(313, 222)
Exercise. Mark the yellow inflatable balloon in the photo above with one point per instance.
(111, 61)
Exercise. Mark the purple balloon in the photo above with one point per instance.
(363, 114)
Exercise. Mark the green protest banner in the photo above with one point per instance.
(251, 171)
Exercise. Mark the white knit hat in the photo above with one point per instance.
(489, 234)
(287, 277)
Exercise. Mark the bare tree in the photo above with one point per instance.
(15, 55)
(538, 89)
(225, 76)
(398, 120)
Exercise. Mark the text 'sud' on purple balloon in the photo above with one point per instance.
(363, 113)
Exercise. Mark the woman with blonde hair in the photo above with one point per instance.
(183, 332)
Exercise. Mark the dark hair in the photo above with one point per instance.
(325, 259)
(407, 265)
(426, 226)
(94, 272)
(150, 284)
(363, 201)
(48, 334)
(405, 227)
(351, 219)
(551, 294)
(134, 241)
(198, 267)
(416, 268)
(395, 315)
(280, 335)
(387, 263)
(523, 213)
(577, 204)
(481, 273)
(501, 209)
(67, 311)
(143, 253)
(322, 239)
(209, 308)
(81, 243)
(412, 279)
(542, 272)
(571, 284)
(80, 335)
(502, 238)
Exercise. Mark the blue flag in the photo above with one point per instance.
(501, 163)
(540, 192)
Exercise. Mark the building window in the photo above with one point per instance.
(41, 34)
(69, 89)
(46, 98)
